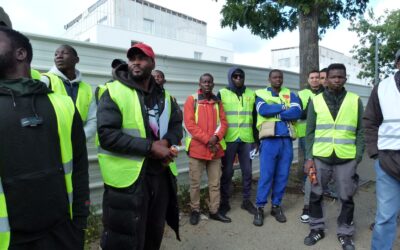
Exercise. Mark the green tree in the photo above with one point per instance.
(386, 29)
(266, 18)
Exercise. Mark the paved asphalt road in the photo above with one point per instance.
(241, 234)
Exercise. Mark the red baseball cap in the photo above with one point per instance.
(144, 48)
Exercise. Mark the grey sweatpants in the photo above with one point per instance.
(346, 185)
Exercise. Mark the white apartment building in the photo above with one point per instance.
(288, 59)
(120, 23)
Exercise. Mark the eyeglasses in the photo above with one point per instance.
(235, 76)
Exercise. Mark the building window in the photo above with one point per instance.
(284, 62)
(224, 59)
(297, 62)
(197, 55)
(148, 26)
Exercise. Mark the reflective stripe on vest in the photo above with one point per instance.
(164, 121)
(64, 109)
(304, 96)
(266, 95)
(83, 99)
(337, 136)
(122, 170)
(239, 114)
(188, 138)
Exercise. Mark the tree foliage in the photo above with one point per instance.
(266, 18)
(386, 29)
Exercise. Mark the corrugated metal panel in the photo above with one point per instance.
(182, 80)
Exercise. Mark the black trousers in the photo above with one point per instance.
(134, 217)
(243, 150)
(64, 236)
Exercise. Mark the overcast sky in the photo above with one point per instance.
(48, 17)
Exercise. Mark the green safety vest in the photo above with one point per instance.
(121, 170)
(266, 95)
(337, 135)
(188, 138)
(304, 96)
(35, 74)
(65, 110)
(239, 114)
(83, 99)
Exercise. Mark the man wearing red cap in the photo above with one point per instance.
(137, 123)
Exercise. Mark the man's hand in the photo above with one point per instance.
(309, 163)
(213, 148)
(160, 151)
(213, 140)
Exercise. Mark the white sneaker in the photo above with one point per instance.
(305, 217)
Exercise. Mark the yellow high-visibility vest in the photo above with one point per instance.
(304, 96)
(239, 114)
(35, 74)
(119, 170)
(65, 110)
(83, 99)
(337, 135)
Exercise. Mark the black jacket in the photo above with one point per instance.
(31, 168)
(111, 137)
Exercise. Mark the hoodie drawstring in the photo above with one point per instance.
(12, 96)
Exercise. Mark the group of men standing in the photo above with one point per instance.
(139, 125)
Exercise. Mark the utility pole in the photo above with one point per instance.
(376, 81)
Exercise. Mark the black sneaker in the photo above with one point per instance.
(247, 205)
(194, 217)
(314, 237)
(224, 208)
(277, 212)
(347, 242)
(259, 217)
(305, 216)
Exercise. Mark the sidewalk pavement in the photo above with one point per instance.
(242, 234)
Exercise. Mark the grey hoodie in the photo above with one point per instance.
(91, 123)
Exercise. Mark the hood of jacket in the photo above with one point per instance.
(231, 85)
(57, 72)
(121, 73)
(23, 87)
